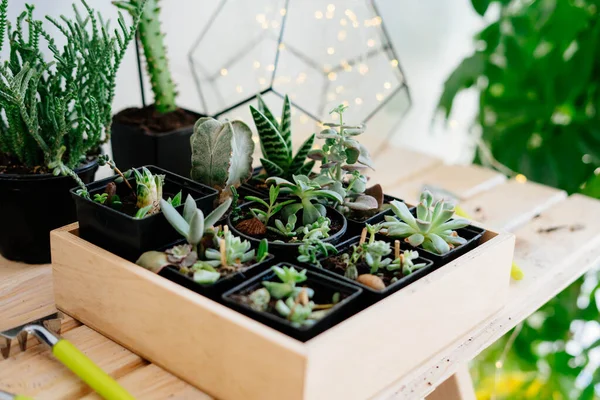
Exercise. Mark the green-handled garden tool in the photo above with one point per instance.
(66, 353)
(9, 396)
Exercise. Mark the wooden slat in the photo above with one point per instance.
(36, 373)
(512, 204)
(463, 181)
(458, 387)
(551, 261)
(25, 293)
(154, 383)
(395, 165)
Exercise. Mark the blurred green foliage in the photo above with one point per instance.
(537, 70)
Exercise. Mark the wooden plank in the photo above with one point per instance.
(218, 349)
(154, 383)
(36, 373)
(512, 204)
(458, 387)
(26, 293)
(463, 181)
(395, 165)
(551, 261)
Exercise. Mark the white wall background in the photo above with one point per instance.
(430, 37)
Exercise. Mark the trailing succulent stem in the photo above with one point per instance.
(155, 52)
(276, 142)
(59, 111)
(434, 228)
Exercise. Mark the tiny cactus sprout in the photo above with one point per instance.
(276, 142)
(433, 229)
(149, 192)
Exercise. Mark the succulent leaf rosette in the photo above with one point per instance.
(149, 191)
(433, 229)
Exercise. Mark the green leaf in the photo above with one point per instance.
(481, 6)
(211, 145)
(175, 219)
(297, 163)
(464, 76)
(271, 168)
(273, 145)
(262, 107)
(142, 212)
(217, 213)
(286, 123)
(352, 155)
(176, 201)
(196, 230)
(242, 148)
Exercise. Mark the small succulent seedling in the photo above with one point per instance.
(286, 230)
(405, 263)
(433, 228)
(289, 277)
(317, 230)
(221, 154)
(276, 142)
(308, 192)
(271, 208)
(231, 252)
(312, 249)
(149, 190)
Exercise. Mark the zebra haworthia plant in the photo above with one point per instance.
(276, 142)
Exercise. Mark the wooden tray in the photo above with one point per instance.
(231, 356)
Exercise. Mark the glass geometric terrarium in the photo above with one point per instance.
(320, 52)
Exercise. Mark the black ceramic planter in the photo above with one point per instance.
(371, 295)
(289, 251)
(133, 146)
(216, 290)
(127, 236)
(27, 220)
(324, 287)
(355, 226)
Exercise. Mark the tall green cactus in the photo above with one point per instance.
(155, 52)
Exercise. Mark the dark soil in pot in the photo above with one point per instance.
(335, 266)
(287, 248)
(357, 220)
(324, 286)
(122, 234)
(141, 136)
(31, 205)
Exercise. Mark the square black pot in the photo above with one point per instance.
(216, 290)
(132, 146)
(324, 287)
(355, 227)
(129, 237)
(369, 294)
(251, 190)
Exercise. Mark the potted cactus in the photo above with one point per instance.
(432, 229)
(298, 302)
(157, 134)
(57, 115)
(123, 214)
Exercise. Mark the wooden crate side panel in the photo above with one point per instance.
(215, 348)
(367, 352)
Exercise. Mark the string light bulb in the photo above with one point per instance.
(224, 72)
(520, 178)
(318, 14)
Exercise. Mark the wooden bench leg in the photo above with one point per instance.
(458, 387)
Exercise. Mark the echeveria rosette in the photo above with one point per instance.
(309, 192)
(434, 230)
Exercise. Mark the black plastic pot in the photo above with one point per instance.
(355, 227)
(324, 287)
(133, 146)
(216, 290)
(251, 189)
(127, 236)
(289, 251)
(371, 295)
(33, 205)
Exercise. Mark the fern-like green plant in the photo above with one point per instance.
(276, 142)
(59, 111)
(155, 53)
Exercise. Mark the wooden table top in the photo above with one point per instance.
(550, 260)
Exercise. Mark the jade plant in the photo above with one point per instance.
(155, 53)
(342, 156)
(433, 228)
(210, 253)
(276, 142)
(221, 154)
(308, 194)
(288, 300)
(57, 112)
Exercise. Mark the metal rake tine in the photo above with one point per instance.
(53, 325)
(22, 338)
(5, 347)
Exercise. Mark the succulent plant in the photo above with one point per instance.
(221, 154)
(182, 255)
(433, 229)
(289, 277)
(307, 191)
(271, 208)
(149, 190)
(192, 225)
(312, 249)
(230, 251)
(317, 230)
(276, 142)
(157, 65)
(374, 253)
(286, 230)
(405, 263)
